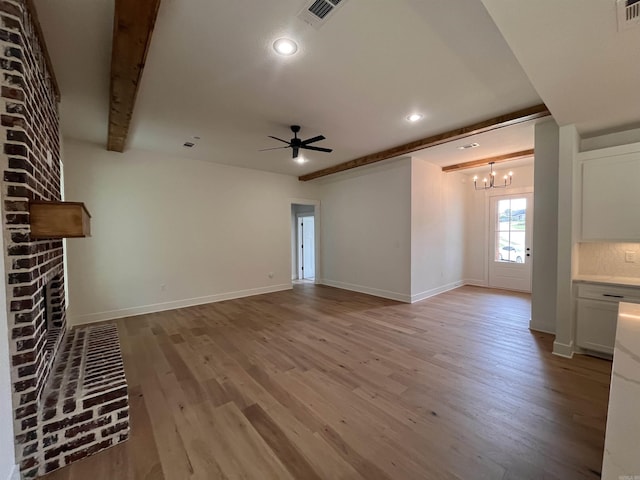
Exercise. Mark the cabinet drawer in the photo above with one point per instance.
(611, 293)
(596, 325)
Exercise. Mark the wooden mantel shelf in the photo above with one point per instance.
(59, 219)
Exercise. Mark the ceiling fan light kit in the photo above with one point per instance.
(296, 144)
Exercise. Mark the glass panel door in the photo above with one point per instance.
(510, 241)
(511, 230)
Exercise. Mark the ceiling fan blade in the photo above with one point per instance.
(318, 149)
(276, 138)
(295, 152)
(314, 139)
(274, 148)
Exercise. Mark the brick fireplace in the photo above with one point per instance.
(69, 391)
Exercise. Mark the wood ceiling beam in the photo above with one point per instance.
(487, 161)
(513, 118)
(132, 29)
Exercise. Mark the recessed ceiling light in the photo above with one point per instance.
(189, 144)
(469, 145)
(285, 46)
(300, 160)
(414, 117)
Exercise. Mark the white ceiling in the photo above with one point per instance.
(211, 72)
(586, 71)
(78, 36)
(496, 142)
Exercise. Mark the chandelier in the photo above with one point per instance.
(491, 181)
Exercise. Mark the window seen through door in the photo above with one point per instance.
(510, 230)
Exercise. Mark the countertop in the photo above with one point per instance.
(622, 440)
(609, 280)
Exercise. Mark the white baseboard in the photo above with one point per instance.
(435, 291)
(563, 349)
(376, 292)
(161, 307)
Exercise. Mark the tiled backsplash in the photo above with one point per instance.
(608, 259)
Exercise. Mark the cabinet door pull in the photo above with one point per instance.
(614, 296)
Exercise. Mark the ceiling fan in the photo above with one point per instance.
(297, 143)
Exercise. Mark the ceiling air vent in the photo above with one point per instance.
(628, 14)
(316, 12)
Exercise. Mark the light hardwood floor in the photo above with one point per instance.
(321, 383)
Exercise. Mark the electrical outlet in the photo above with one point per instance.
(630, 257)
(271, 275)
(163, 287)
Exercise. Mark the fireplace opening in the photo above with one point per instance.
(51, 312)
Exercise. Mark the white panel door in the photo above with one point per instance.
(307, 247)
(510, 242)
(596, 325)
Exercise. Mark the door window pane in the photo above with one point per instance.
(510, 230)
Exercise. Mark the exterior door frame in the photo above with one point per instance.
(515, 272)
(487, 215)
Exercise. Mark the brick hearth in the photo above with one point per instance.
(85, 406)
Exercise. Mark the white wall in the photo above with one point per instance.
(366, 230)
(476, 265)
(169, 232)
(544, 277)
(395, 230)
(8, 469)
(437, 230)
(610, 140)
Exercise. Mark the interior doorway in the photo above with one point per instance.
(510, 234)
(304, 234)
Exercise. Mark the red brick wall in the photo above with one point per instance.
(30, 162)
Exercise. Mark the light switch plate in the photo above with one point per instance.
(630, 257)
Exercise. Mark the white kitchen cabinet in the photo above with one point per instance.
(596, 326)
(611, 195)
(597, 314)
